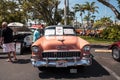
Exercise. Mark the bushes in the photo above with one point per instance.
(111, 32)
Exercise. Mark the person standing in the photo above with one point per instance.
(42, 29)
(7, 40)
(36, 34)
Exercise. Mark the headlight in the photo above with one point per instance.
(28, 38)
(35, 49)
(86, 48)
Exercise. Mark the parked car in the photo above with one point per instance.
(23, 37)
(115, 47)
(60, 47)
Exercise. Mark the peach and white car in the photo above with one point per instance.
(60, 47)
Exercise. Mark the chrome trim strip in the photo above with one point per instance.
(76, 50)
(85, 62)
(63, 58)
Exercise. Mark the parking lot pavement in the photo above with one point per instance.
(102, 68)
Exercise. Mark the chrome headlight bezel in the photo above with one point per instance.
(87, 48)
(35, 49)
(28, 39)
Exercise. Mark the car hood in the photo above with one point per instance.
(60, 43)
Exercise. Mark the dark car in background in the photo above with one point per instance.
(22, 36)
(23, 40)
(115, 47)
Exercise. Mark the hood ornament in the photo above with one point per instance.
(61, 40)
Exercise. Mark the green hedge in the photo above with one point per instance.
(111, 32)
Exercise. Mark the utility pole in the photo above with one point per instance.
(65, 13)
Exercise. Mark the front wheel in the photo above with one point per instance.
(116, 53)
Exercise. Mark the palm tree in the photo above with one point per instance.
(79, 8)
(90, 8)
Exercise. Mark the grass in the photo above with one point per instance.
(94, 40)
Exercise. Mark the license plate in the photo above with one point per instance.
(61, 64)
(73, 70)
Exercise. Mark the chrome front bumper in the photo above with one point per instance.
(84, 62)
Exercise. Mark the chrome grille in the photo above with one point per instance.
(60, 54)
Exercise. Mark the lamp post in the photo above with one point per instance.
(65, 20)
(66, 11)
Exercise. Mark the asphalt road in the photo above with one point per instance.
(103, 68)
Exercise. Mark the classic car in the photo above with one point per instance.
(23, 37)
(115, 47)
(60, 47)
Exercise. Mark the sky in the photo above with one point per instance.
(102, 10)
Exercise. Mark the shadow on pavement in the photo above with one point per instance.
(19, 61)
(3, 57)
(22, 61)
(95, 70)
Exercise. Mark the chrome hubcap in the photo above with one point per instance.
(116, 53)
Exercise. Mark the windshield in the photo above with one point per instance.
(59, 31)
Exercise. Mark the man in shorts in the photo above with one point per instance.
(7, 40)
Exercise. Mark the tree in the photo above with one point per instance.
(10, 12)
(111, 32)
(118, 3)
(3, 10)
(46, 10)
(79, 8)
(103, 22)
(91, 9)
(116, 12)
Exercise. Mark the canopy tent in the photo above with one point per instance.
(15, 24)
